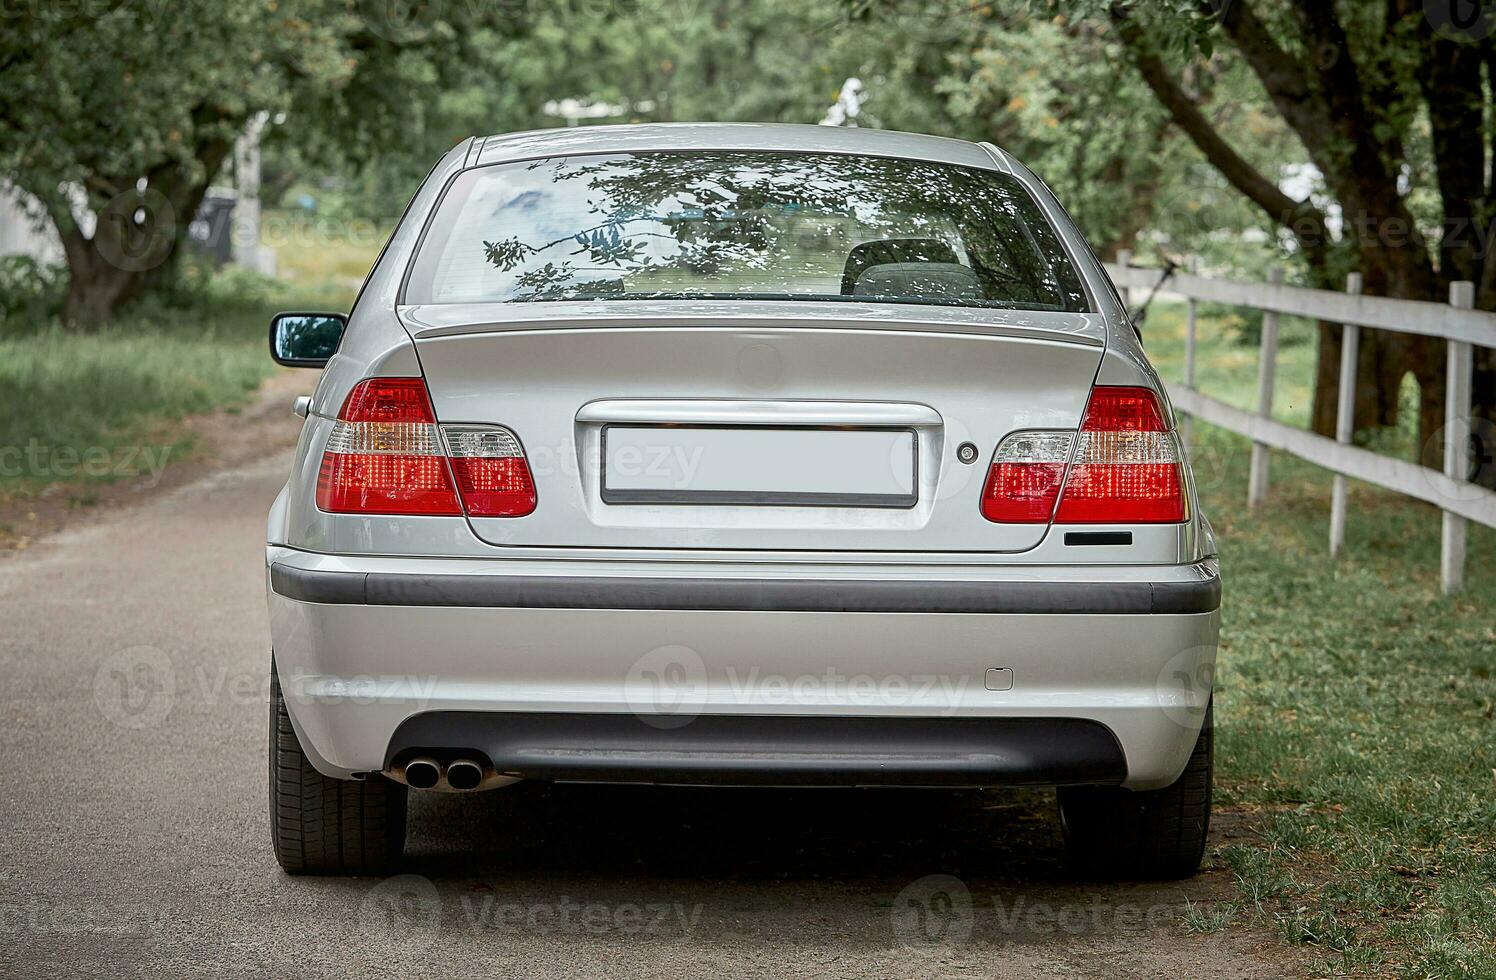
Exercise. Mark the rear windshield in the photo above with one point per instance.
(741, 225)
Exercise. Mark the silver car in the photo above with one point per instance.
(738, 455)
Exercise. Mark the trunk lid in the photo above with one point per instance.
(756, 426)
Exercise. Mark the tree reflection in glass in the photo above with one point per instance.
(749, 225)
(307, 336)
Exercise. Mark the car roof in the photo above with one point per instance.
(784, 137)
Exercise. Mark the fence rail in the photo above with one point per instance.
(1457, 322)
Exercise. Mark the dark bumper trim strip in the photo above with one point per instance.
(748, 595)
(776, 750)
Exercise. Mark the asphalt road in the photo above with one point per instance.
(133, 659)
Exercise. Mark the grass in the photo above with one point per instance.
(90, 408)
(1355, 703)
(316, 250)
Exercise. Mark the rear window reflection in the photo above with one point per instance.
(742, 225)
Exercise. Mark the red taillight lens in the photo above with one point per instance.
(369, 483)
(1126, 468)
(1117, 408)
(388, 400)
(386, 456)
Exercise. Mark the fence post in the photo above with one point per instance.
(1457, 383)
(1124, 259)
(1345, 415)
(1267, 371)
(1192, 309)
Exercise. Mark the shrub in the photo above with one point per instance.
(31, 292)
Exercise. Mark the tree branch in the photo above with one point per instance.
(1301, 218)
(1344, 96)
(1342, 141)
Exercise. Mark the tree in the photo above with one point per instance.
(1390, 103)
(117, 117)
(751, 60)
(1047, 90)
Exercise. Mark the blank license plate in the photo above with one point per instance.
(758, 465)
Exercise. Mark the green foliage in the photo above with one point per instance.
(166, 79)
(30, 292)
(130, 109)
(666, 61)
(115, 397)
(1050, 94)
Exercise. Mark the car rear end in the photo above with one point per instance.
(836, 486)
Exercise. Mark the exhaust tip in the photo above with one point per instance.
(422, 773)
(464, 774)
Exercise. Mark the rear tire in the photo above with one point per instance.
(328, 826)
(1117, 833)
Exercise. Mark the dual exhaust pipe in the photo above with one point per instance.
(460, 775)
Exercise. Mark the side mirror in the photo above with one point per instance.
(305, 339)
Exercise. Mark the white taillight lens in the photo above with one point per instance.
(386, 455)
(1126, 467)
(396, 438)
(493, 476)
(1124, 478)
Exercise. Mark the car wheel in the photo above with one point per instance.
(1159, 834)
(328, 826)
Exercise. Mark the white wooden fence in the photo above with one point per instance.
(1458, 323)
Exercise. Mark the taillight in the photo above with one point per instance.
(492, 473)
(386, 455)
(1025, 477)
(1126, 468)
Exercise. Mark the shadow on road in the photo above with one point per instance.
(844, 834)
(567, 879)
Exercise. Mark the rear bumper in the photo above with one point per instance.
(850, 674)
(792, 750)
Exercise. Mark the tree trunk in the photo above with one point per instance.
(96, 289)
(137, 240)
(1483, 419)
(1378, 378)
